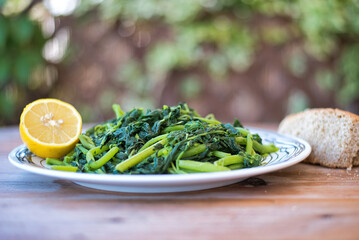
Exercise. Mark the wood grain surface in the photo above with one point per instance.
(300, 202)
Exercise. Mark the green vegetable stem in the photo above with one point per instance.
(123, 166)
(201, 166)
(104, 159)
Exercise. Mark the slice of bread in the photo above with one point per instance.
(332, 133)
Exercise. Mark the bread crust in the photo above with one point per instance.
(324, 129)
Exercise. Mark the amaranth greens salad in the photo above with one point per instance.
(169, 140)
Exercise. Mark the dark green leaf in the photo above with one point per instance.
(22, 70)
(5, 68)
(3, 32)
(22, 29)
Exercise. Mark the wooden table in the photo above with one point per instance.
(300, 202)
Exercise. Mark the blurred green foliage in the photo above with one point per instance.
(222, 37)
(202, 39)
(21, 43)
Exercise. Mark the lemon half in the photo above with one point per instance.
(50, 127)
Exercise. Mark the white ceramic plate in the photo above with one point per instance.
(292, 150)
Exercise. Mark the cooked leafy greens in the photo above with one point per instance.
(167, 140)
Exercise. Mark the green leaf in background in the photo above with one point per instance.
(110, 9)
(351, 12)
(107, 98)
(183, 10)
(22, 70)
(7, 105)
(275, 35)
(297, 63)
(240, 58)
(5, 70)
(161, 59)
(218, 66)
(191, 87)
(326, 80)
(131, 75)
(25, 63)
(320, 21)
(14, 7)
(297, 102)
(129, 71)
(3, 33)
(2, 2)
(38, 40)
(350, 70)
(348, 92)
(88, 113)
(130, 100)
(22, 29)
